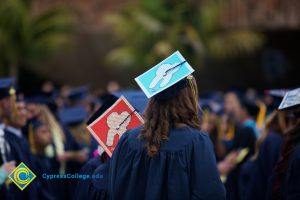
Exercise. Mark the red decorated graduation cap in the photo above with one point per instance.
(113, 123)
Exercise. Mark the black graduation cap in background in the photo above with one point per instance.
(107, 102)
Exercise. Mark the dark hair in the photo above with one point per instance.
(292, 139)
(161, 116)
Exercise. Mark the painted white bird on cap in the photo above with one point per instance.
(165, 73)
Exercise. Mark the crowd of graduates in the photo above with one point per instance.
(255, 144)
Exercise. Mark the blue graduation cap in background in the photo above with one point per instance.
(290, 100)
(164, 75)
(37, 99)
(78, 93)
(72, 115)
(136, 98)
(6, 87)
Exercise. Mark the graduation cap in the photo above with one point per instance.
(107, 102)
(136, 98)
(41, 99)
(72, 115)
(36, 123)
(165, 78)
(78, 93)
(291, 100)
(277, 96)
(38, 99)
(108, 125)
(7, 87)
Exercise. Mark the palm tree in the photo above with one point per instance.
(26, 38)
(151, 30)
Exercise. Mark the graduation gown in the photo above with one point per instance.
(72, 167)
(290, 186)
(263, 166)
(185, 168)
(5, 156)
(20, 152)
(244, 138)
(83, 188)
(45, 165)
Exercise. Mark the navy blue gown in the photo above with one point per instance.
(290, 186)
(83, 186)
(185, 168)
(263, 166)
(20, 152)
(244, 138)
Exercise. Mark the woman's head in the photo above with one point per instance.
(174, 106)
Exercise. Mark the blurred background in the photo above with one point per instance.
(232, 43)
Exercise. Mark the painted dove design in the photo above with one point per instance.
(165, 73)
(117, 125)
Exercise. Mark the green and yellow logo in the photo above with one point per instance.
(22, 176)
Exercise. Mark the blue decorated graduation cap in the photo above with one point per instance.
(136, 98)
(170, 72)
(72, 115)
(7, 87)
(78, 93)
(291, 100)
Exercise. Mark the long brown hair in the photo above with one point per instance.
(161, 116)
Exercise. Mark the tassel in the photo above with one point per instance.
(31, 139)
(261, 117)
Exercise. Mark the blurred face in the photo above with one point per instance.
(18, 115)
(6, 106)
(33, 110)
(232, 104)
(210, 123)
(42, 136)
(22, 114)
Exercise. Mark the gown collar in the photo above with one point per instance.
(14, 131)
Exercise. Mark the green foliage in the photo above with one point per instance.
(26, 38)
(151, 30)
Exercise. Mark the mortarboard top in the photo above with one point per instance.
(114, 121)
(38, 99)
(78, 93)
(6, 87)
(107, 102)
(72, 115)
(212, 106)
(291, 100)
(136, 98)
(164, 75)
(36, 123)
